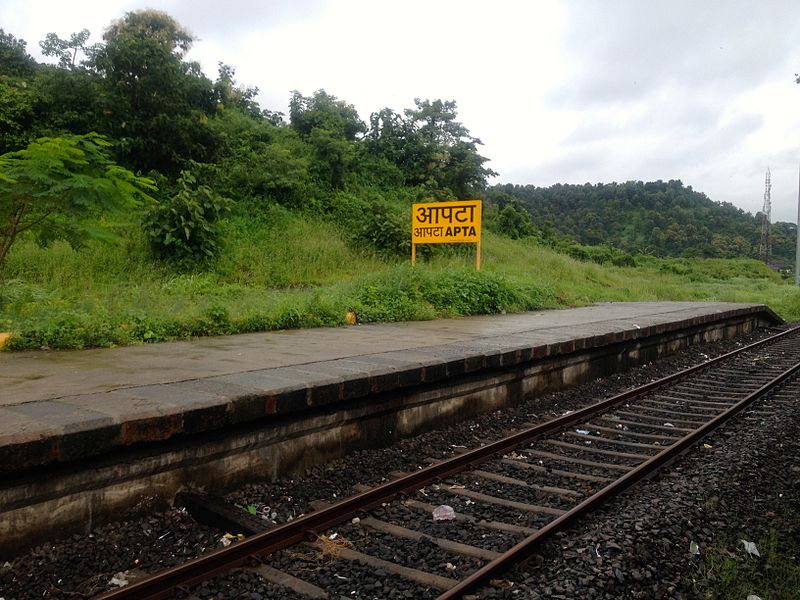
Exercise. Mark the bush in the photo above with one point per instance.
(385, 229)
(602, 255)
(184, 228)
(468, 292)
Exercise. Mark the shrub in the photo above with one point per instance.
(467, 292)
(184, 228)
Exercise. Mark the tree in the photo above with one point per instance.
(157, 105)
(59, 188)
(431, 147)
(17, 115)
(324, 111)
(331, 127)
(14, 58)
(154, 26)
(67, 50)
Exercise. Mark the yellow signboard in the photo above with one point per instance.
(446, 223)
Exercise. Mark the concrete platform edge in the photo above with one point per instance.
(72, 428)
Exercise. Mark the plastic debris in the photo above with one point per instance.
(582, 431)
(668, 425)
(450, 566)
(333, 536)
(707, 446)
(750, 548)
(119, 580)
(750, 597)
(355, 521)
(444, 513)
(694, 549)
(227, 539)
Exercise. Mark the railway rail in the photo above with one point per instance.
(535, 482)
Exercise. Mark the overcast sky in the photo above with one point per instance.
(558, 91)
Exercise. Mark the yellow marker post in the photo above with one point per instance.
(446, 223)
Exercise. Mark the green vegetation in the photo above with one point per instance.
(163, 205)
(57, 188)
(730, 573)
(290, 269)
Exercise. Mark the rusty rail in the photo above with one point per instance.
(307, 527)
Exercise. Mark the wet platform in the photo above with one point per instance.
(60, 406)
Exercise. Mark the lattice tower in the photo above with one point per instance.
(765, 246)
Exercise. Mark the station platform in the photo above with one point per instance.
(62, 406)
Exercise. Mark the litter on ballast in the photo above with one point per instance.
(750, 548)
(582, 431)
(119, 580)
(227, 539)
(694, 549)
(753, 597)
(668, 425)
(444, 513)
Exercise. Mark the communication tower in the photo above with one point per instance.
(765, 246)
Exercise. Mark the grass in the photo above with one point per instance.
(730, 573)
(283, 269)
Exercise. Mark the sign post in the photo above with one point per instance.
(446, 223)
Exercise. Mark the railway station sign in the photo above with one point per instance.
(446, 223)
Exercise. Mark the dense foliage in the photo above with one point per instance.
(658, 218)
(60, 188)
(166, 119)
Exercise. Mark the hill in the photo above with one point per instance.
(653, 218)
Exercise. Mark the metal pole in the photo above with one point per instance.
(797, 233)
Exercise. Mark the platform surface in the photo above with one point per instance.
(118, 395)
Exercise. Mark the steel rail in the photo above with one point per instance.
(527, 546)
(160, 584)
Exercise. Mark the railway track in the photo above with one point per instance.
(511, 494)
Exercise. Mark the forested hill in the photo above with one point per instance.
(658, 217)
